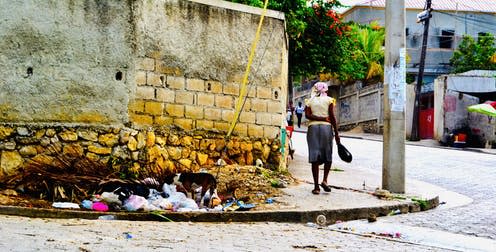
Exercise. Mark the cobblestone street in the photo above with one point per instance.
(468, 173)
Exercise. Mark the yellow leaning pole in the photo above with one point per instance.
(242, 92)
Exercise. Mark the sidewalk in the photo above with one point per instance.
(348, 200)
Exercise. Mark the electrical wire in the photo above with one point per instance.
(243, 90)
(476, 21)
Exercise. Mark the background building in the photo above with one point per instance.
(451, 19)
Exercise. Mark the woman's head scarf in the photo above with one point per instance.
(319, 89)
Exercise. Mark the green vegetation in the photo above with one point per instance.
(364, 53)
(314, 30)
(320, 44)
(424, 204)
(475, 55)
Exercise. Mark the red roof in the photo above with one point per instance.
(450, 5)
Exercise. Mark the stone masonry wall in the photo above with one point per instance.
(127, 150)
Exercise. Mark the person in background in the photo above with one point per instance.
(299, 113)
(289, 117)
(319, 110)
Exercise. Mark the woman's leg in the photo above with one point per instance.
(327, 168)
(324, 185)
(315, 174)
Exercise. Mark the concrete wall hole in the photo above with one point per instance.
(162, 80)
(29, 72)
(118, 75)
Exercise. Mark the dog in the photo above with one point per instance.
(189, 182)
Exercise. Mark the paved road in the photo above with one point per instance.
(24, 234)
(465, 172)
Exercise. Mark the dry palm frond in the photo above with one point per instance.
(493, 59)
(375, 69)
(65, 173)
(58, 171)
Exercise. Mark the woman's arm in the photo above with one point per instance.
(310, 116)
(332, 120)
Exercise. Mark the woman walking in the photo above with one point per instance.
(319, 111)
(299, 113)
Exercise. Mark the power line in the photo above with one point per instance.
(465, 18)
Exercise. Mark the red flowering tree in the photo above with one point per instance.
(314, 44)
(314, 31)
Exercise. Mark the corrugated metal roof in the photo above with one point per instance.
(482, 73)
(450, 5)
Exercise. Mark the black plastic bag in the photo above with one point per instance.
(344, 154)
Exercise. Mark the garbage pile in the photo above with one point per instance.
(141, 197)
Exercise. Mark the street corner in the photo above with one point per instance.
(296, 205)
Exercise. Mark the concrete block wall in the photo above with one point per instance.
(164, 98)
(65, 61)
(357, 105)
(198, 86)
(156, 62)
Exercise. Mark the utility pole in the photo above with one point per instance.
(424, 16)
(393, 158)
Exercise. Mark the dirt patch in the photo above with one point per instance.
(251, 184)
(357, 129)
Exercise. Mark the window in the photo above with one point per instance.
(446, 38)
(481, 35)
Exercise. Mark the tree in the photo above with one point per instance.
(314, 30)
(363, 53)
(314, 44)
(474, 55)
(321, 44)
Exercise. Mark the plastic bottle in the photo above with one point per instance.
(106, 217)
(311, 224)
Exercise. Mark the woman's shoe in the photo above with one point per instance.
(326, 187)
(316, 191)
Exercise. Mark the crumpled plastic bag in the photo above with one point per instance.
(188, 203)
(100, 206)
(110, 198)
(207, 199)
(154, 194)
(150, 207)
(87, 204)
(176, 198)
(65, 205)
(162, 203)
(168, 190)
(135, 202)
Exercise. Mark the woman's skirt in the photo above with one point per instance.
(319, 140)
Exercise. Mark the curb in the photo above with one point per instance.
(249, 216)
